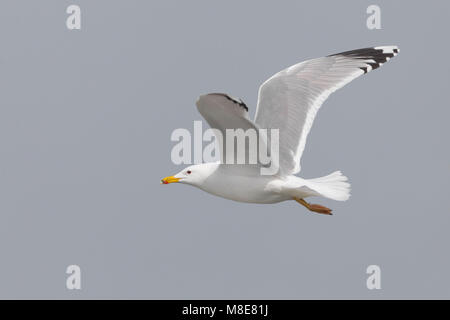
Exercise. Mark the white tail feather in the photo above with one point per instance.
(333, 186)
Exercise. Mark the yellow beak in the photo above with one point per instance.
(170, 179)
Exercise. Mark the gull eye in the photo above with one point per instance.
(189, 172)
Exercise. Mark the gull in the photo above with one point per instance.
(287, 101)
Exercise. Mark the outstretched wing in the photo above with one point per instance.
(223, 112)
(290, 99)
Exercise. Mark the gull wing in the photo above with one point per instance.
(223, 112)
(290, 99)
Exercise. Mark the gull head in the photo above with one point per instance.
(193, 175)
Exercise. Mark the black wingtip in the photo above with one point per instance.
(374, 56)
(237, 101)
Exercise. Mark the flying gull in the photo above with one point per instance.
(288, 101)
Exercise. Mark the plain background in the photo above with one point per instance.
(85, 124)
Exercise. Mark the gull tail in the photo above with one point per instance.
(333, 186)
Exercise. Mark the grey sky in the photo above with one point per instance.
(85, 124)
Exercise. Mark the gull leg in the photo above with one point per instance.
(314, 207)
